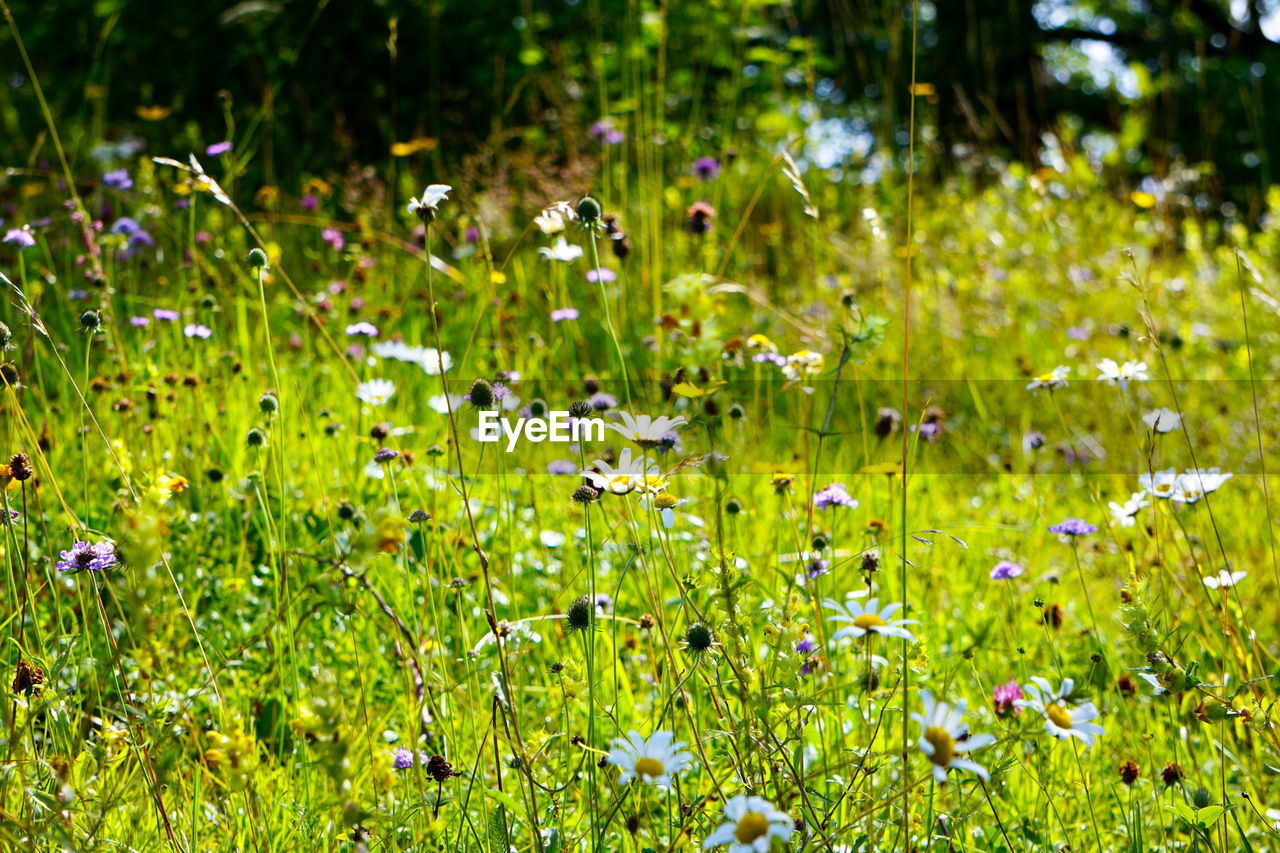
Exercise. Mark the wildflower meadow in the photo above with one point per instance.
(639, 428)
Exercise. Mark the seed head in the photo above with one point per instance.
(579, 616)
(584, 495)
(589, 210)
(255, 437)
(9, 371)
(887, 421)
(579, 409)
(481, 394)
(440, 769)
(20, 467)
(733, 506)
(1129, 772)
(268, 404)
(90, 322)
(6, 336)
(698, 637)
(1171, 774)
(418, 516)
(257, 259)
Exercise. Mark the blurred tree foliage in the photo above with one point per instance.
(1152, 84)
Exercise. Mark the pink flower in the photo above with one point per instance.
(334, 238)
(1005, 696)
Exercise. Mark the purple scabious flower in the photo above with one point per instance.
(561, 314)
(806, 645)
(706, 168)
(140, 322)
(602, 402)
(1005, 569)
(1073, 527)
(310, 202)
(562, 466)
(817, 567)
(86, 557)
(604, 602)
(834, 495)
(125, 225)
(386, 454)
(670, 441)
(402, 759)
(165, 314)
(603, 274)
(195, 330)
(22, 236)
(217, 149)
(769, 358)
(604, 132)
(118, 180)
(76, 294)
(363, 328)
(808, 668)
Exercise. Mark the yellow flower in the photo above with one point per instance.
(317, 187)
(1143, 200)
(168, 485)
(266, 196)
(155, 112)
(413, 146)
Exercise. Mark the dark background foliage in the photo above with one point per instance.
(318, 83)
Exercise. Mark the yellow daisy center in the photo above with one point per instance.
(620, 483)
(753, 825)
(867, 621)
(650, 767)
(1058, 716)
(944, 745)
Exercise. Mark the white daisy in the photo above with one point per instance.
(432, 361)
(628, 475)
(555, 218)
(644, 430)
(1161, 484)
(1224, 579)
(944, 736)
(802, 363)
(1162, 420)
(751, 824)
(1122, 374)
(1195, 483)
(375, 392)
(653, 760)
(665, 504)
(865, 619)
(1056, 378)
(438, 404)
(1059, 720)
(563, 250)
(425, 207)
(1125, 514)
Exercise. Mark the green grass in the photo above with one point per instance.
(275, 629)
